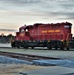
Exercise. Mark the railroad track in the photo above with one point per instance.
(34, 49)
(27, 57)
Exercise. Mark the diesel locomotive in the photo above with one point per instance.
(54, 35)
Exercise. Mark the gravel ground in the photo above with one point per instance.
(16, 69)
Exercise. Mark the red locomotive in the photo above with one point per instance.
(44, 35)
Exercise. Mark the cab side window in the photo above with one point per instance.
(26, 30)
(22, 30)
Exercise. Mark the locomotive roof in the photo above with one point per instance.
(26, 26)
(37, 24)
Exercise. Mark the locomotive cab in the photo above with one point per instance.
(21, 37)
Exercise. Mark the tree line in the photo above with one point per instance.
(6, 38)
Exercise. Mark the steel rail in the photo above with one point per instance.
(27, 57)
(35, 49)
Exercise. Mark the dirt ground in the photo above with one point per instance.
(12, 69)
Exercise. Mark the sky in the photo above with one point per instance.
(16, 13)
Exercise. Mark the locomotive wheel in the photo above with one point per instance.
(49, 48)
(25, 47)
(32, 47)
(13, 44)
(18, 46)
(61, 48)
(67, 48)
(55, 48)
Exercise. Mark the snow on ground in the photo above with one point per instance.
(5, 45)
